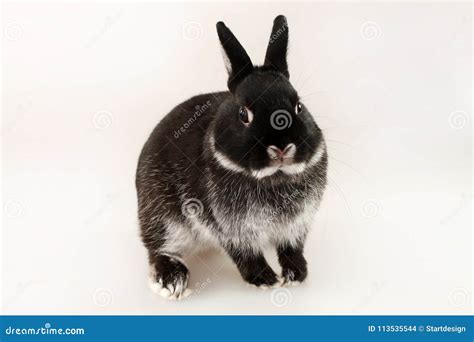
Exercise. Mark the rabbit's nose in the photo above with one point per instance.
(279, 154)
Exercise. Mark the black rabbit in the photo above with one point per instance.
(241, 170)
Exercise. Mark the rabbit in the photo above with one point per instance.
(240, 170)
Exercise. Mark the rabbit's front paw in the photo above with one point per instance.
(169, 278)
(254, 269)
(263, 279)
(293, 264)
(294, 275)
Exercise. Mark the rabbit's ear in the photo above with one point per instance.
(275, 58)
(236, 60)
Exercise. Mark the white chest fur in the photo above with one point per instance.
(252, 229)
(262, 225)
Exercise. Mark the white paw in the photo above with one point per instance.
(263, 287)
(280, 282)
(288, 279)
(290, 283)
(176, 291)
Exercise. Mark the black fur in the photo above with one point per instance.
(239, 211)
(275, 58)
(241, 65)
(293, 263)
(169, 271)
(253, 267)
(264, 92)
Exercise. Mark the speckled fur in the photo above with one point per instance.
(238, 209)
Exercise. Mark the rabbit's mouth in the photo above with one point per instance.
(282, 161)
(281, 156)
(279, 159)
(282, 167)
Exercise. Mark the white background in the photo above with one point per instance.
(390, 84)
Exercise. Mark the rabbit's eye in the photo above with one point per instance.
(298, 108)
(245, 115)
